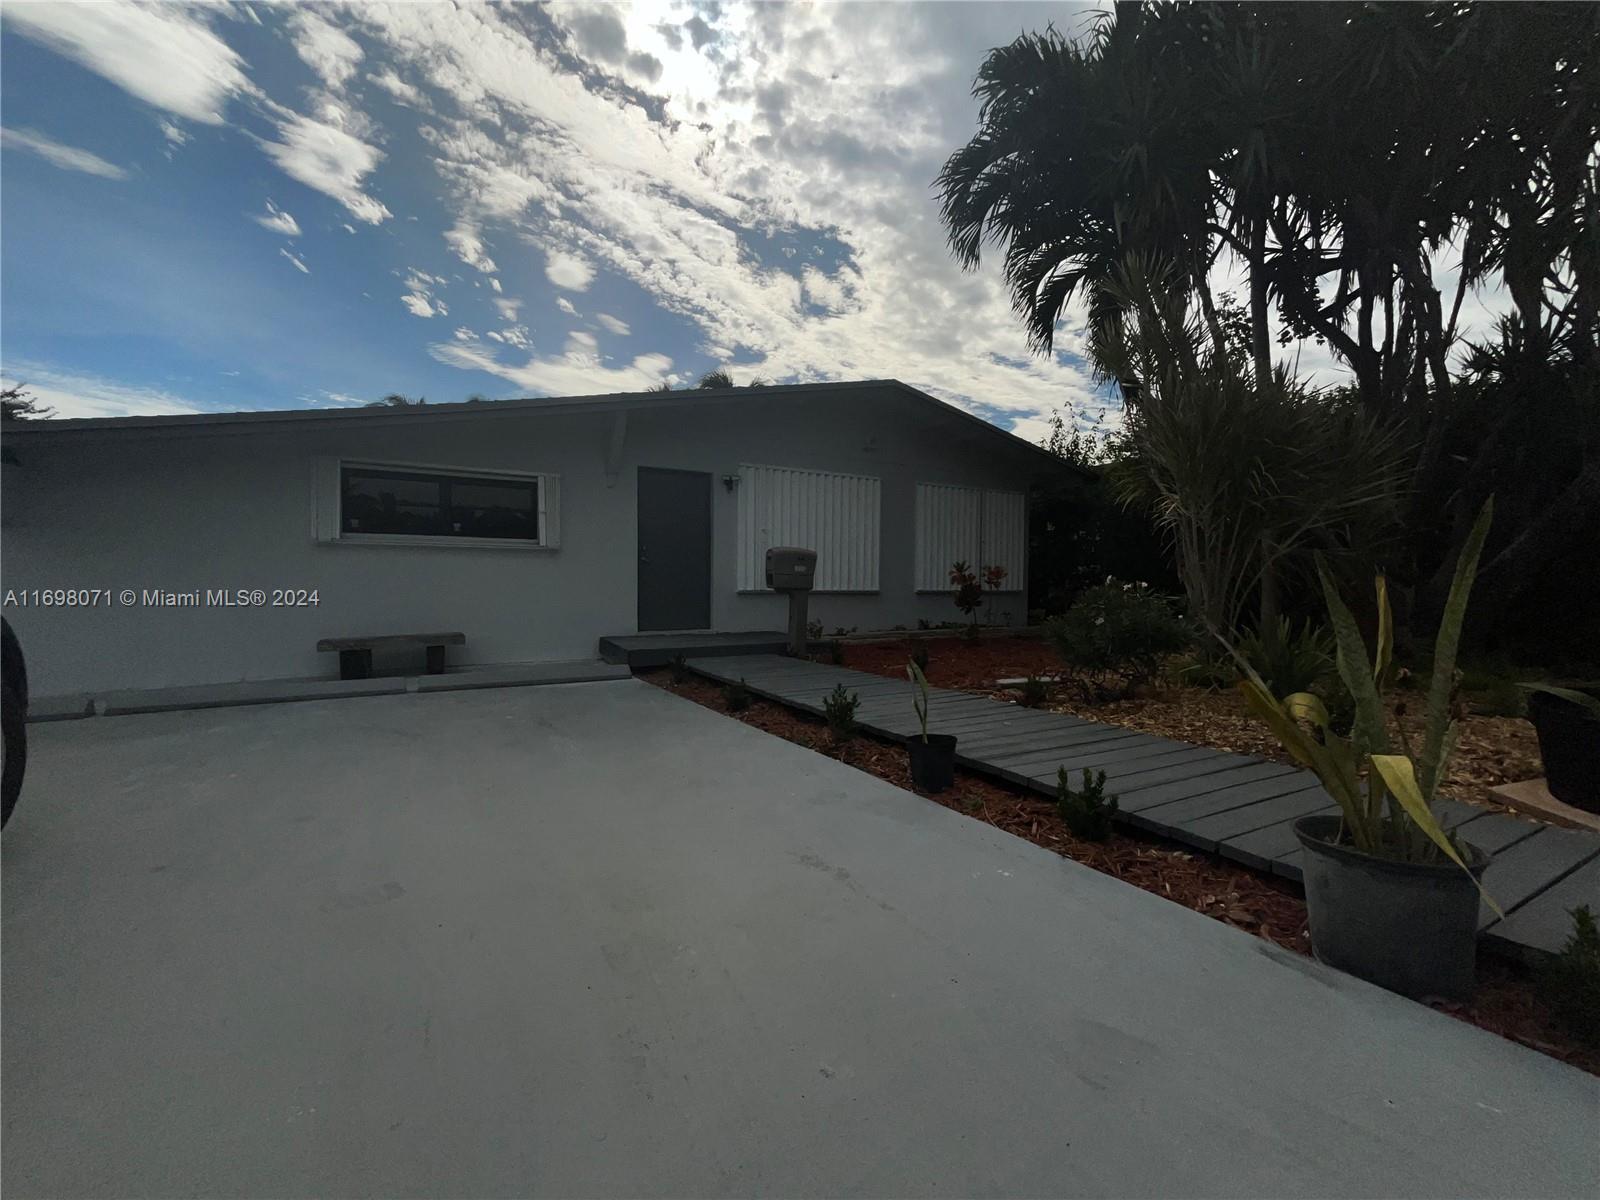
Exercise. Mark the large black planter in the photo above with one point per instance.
(933, 762)
(1408, 927)
(1569, 743)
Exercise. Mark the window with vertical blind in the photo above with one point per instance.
(979, 527)
(835, 515)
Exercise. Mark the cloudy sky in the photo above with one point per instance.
(269, 206)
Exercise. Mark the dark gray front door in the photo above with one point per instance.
(674, 549)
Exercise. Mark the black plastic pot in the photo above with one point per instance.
(1408, 927)
(933, 762)
(1569, 743)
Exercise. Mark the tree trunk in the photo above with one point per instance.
(1260, 339)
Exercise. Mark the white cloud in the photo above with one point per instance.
(68, 158)
(463, 239)
(620, 328)
(174, 133)
(74, 394)
(299, 265)
(328, 50)
(277, 220)
(163, 54)
(418, 305)
(343, 398)
(508, 307)
(495, 284)
(512, 335)
(463, 334)
(570, 375)
(565, 306)
(326, 158)
(402, 91)
(569, 271)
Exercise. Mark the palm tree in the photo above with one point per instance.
(396, 400)
(715, 379)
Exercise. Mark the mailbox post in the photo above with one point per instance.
(791, 569)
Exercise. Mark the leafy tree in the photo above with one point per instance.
(1084, 447)
(663, 386)
(17, 405)
(715, 379)
(1338, 154)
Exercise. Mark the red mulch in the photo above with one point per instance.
(1506, 1002)
(1491, 750)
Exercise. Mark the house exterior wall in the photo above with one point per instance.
(192, 508)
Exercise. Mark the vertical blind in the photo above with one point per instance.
(835, 515)
(981, 528)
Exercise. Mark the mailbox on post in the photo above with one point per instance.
(792, 569)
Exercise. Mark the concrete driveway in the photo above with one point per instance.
(595, 940)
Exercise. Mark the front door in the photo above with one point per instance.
(674, 549)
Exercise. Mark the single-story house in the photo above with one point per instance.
(146, 552)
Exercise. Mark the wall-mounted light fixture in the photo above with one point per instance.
(730, 481)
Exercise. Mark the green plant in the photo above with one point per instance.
(1088, 811)
(1116, 637)
(1571, 979)
(1207, 667)
(1035, 691)
(736, 696)
(1385, 798)
(814, 630)
(1287, 661)
(968, 595)
(919, 701)
(680, 669)
(1573, 695)
(839, 707)
(920, 657)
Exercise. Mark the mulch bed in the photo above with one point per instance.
(1506, 1002)
(1491, 751)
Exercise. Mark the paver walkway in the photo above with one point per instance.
(1236, 805)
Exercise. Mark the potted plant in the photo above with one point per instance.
(1390, 896)
(933, 756)
(1567, 721)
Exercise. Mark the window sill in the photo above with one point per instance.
(433, 542)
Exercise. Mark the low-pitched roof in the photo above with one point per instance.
(230, 422)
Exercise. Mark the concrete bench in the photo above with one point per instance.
(355, 653)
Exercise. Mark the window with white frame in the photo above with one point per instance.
(980, 527)
(836, 515)
(416, 504)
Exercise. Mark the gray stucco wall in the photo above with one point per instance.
(197, 508)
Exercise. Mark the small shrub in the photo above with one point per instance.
(1210, 667)
(836, 653)
(920, 657)
(839, 706)
(1087, 812)
(1116, 637)
(814, 630)
(1572, 978)
(1035, 691)
(736, 696)
(924, 624)
(680, 669)
(1289, 662)
(968, 595)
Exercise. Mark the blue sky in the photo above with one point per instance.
(249, 206)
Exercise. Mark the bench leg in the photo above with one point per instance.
(355, 664)
(435, 660)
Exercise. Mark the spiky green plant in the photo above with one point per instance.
(1385, 798)
(919, 701)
